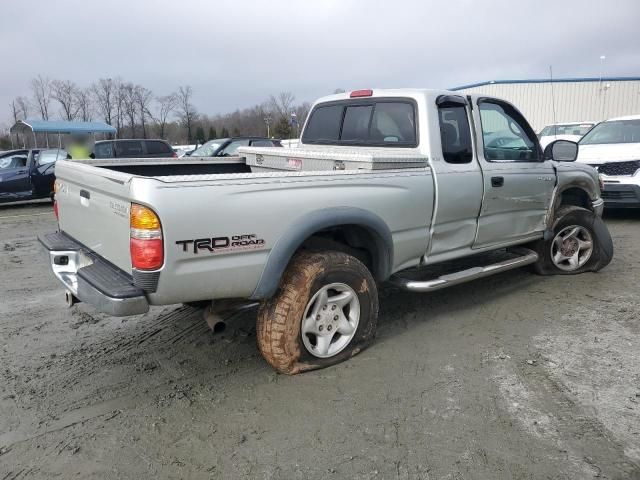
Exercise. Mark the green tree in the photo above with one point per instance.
(282, 128)
(224, 133)
(200, 135)
(212, 133)
(236, 132)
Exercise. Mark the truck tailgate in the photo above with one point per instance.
(93, 208)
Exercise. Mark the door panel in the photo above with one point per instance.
(518, 186)
(458, 179)
(14, 174)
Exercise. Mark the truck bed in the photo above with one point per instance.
(163, 167)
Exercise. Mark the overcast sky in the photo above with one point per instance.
(235, 53)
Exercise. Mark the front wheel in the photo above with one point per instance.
(325, 312)
(581, 242)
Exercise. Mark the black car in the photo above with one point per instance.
(227, 147)
(132, 149)
(28, 174)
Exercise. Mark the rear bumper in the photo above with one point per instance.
(92, 279)
(621, 195)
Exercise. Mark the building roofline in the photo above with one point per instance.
(547, 80)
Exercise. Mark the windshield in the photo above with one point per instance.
(572, 129)
(616, 131)
(209, 148)
(50, 156)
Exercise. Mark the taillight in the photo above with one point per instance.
(56, 187)
(147, 251)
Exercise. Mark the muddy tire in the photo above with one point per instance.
(580, 243)
(324, 312)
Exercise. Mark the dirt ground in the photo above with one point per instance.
(512, 377)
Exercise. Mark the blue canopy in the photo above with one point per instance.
(61, 126)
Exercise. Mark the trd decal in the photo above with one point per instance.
(222, 244)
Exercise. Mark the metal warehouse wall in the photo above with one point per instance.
(574, 100)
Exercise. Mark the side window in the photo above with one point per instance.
(16, 161)
(455, 134)
(155, 148)
(232, 148)
(506, 135)
(129, 148)
(103, 150)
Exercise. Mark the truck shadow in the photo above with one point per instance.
(401, 310)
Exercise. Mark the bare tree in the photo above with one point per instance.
(282, 105)
(14, 110)
(166, 105)
(64, 92)
(41, 88)
(186, 110)
(144, 96)
(119, 101)
(104, 95)
(20, 108)
(83, 102)
(130, 106)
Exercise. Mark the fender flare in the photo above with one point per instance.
(304, 227)
(555, 203)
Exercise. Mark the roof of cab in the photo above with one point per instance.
(389, 92)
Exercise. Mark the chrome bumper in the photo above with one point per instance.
(91, 279)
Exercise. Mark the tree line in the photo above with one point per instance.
(137, 112)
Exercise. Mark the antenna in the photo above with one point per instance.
(553, 102)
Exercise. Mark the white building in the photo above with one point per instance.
(575, 99)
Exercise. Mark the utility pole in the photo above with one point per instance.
(267, 120)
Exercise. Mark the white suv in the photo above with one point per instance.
(613, 148)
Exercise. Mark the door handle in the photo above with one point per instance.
(21, 171)
(497, 181)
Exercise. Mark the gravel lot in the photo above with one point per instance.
(515, 377)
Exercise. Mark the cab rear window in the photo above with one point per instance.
(375, 122)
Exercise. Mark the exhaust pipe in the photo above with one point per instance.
(218, 312)
(70, 299)
(213, 318)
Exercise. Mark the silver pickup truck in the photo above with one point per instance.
(386, 186)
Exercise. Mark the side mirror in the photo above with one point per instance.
(561, 151)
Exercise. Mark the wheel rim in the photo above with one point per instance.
(571, 248)
(330, 320)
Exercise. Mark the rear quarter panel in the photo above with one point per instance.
(266, 206)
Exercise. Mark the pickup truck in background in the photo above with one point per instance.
(28, 174)
(421, 188)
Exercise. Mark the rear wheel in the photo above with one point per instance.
(325, 312)
(581, 242)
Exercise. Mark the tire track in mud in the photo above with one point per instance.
(545, 397)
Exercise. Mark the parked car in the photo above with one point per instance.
(613, 149)
(371, 195)
(28, 174)
(228, 147)
(573, 131)
(182, 150)
(133, 149)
